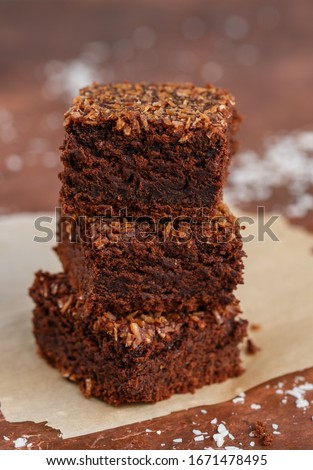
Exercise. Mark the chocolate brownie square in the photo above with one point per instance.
(138, 358)
(122, 266)
(148, 149)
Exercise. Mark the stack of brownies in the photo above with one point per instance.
(151, 255)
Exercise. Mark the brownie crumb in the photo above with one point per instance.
(261, 432)
(251, 347)
(255, 327)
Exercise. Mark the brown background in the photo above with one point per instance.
(260, 50)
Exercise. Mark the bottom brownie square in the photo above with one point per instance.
(138, 358)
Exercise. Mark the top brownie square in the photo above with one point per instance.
(147, 149)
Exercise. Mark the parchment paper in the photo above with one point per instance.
(278, 293)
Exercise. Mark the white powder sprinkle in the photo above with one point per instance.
(252, 444)
(255, 406)
(286, 162)
(301, 403)
(219, 440)
(197, 432)
(298, 392)
(177, 440)
(67, 77)
(20, 442)
(222, 430)
(238, 400)
(306, 387)
(198, 438)
(214, 421)
(204, 412)
(275, 426)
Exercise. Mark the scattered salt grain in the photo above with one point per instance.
(204, 412)
(196, 432)
(239, 400)
(177, 440)
(231, 436)
(255, 406)
(252, 444)
(149, 430)
(301, 403)
(6, 438)
(279, 391)
(251, 434)
(219, 440)
(231, 448)
(298, 392)
(158, 432)
(214, 421)
(20, 442)
(198, 438)
(275, 426)
(163, 444)
(276, 432)
(222, 430)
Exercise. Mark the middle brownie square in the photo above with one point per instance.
(125, 266)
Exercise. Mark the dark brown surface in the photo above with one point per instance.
(264, 60)
(137, 359)
(152, 149)
(294, 425)
(154, 267)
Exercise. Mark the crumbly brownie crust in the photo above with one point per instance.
(109, 358)
(155, 149)
(122, 267)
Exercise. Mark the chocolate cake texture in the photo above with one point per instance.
(153, 149)
(122, 266)
(137, 358)
(145, 307)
